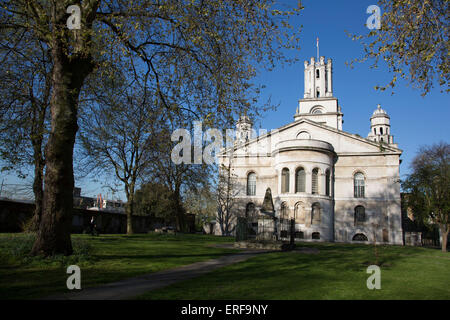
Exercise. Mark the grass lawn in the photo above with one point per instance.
(102, 259)
(337, 271)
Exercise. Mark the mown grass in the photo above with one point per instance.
(338, 271)
(102, 259)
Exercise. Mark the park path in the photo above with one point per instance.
(133, 287)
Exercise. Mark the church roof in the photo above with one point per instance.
(387, 148)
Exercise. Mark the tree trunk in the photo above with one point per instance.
(37, 188)
(180, 218)
(130, 209)
(68, 76)
(444, 233)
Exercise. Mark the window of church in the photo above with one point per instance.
(285, 180)
(300, 180)
(359, 237)
(360, 215)
(315, 181)
(251, 184)
(358, 185)
(327, 182)
(250, 210)
(299, 235)
(317, 74)
(316, 235)
(315, 213)
(284, 214)
(381, 130)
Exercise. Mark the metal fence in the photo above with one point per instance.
(267, 228)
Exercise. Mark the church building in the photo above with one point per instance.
(336, 186)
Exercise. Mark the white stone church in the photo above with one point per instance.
(337, 186)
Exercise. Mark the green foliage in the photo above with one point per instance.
(413, 42)
(15, 249)
(428, 186)
(156, 200)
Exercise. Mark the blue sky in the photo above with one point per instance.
(415, 120)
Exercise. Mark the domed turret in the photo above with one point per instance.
(380, 127)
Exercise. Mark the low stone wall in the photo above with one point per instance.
(263, 245)
(13, 214)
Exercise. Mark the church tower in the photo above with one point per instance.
(318, 103)
(380, 127)
(318, 79)
(243, 129)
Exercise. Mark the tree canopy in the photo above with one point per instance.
(413, 42)
(200, 58)
(429, 187)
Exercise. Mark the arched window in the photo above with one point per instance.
(316, 235)
(300, 180)
(284, 213)
(327, 182)
(358, 185)
(250, 210)
(318, 93)
(381, 130)
(315, 181)
(385, 235)
(318, 109)
(299, 213)
(359, 237)
(304, 135)
(251, 184)
(315, 213)
(374, 130)
(317, 74)
(360, 215)
(285, 180)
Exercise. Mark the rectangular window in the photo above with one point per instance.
(315, 182)
(327, 183)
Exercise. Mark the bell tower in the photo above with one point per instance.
(318, 79)
(318, 103)
(243, 129)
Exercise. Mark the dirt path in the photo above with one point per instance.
(130, 288)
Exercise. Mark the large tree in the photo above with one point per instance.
(202, 54)
(178, 178)
(24, 112)
(429, 188)
(227, 190)
(118, 131)
(413, 42)
(156, 200)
